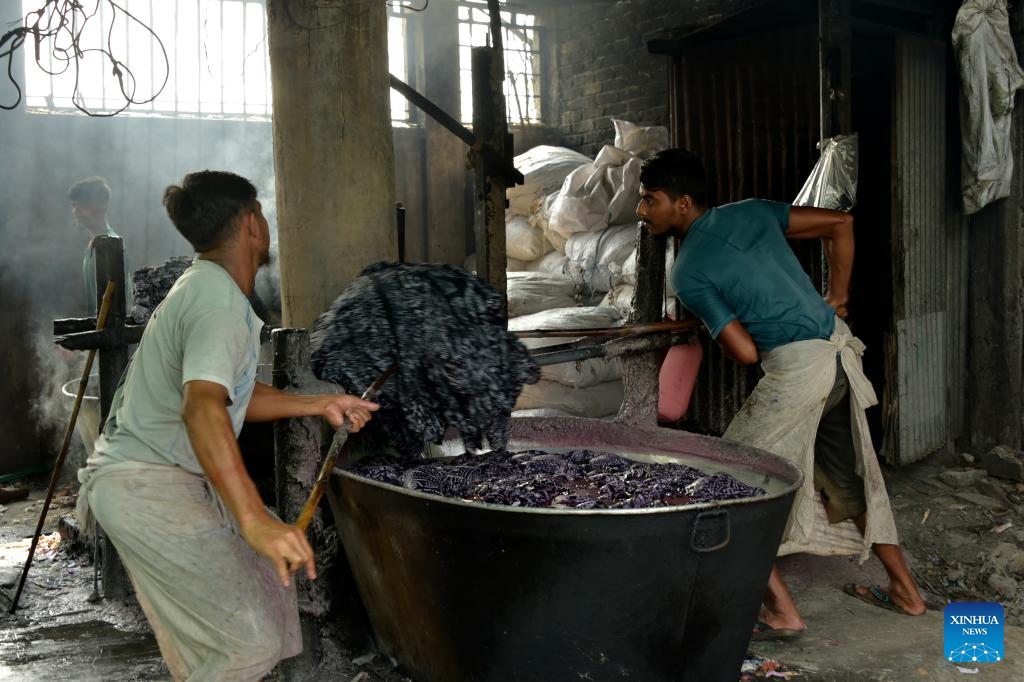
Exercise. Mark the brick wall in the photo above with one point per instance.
(599, 67)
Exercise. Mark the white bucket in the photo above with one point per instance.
(88, 424)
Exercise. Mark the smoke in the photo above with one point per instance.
(51, 410)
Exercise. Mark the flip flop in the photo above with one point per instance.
(766, 633)
(876, 597)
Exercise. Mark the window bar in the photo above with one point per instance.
(267, 94)
(223, 33)
(199, 56)
(245, 36)
(174, 66)
(152, 57)
(103, 80)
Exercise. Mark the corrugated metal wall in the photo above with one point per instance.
(929, 263)
(750, 109)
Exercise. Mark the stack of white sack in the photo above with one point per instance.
(620, 296)
(596, 195)
(585, 388)
(544, 171)
(602, 192)
(564, 192)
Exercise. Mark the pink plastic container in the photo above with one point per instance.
(676, 380)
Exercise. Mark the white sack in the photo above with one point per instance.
(532, 292)
(544, 169)
(620, 298)
(596, 259)
(990, 76)
(523, 241)
(628, 274)
(515, 265)
(601, 400)
(644, 141)
(582, 373)
(553, 262)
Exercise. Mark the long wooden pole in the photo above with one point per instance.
(101, 321)
(340, 436)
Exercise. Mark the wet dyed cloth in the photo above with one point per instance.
(216, 607)
(782, 416)
(458, 364)
(153, 283)
(579, 479)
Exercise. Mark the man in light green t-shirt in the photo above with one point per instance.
(211, 566)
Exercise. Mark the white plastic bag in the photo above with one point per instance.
(833, 181)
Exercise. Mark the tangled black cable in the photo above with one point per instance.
(66, 19)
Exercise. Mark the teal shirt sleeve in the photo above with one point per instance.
(704, 300)
(779, 212)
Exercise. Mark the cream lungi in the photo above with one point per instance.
(216, 607)
(782, 416)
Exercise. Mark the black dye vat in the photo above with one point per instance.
(476, 592)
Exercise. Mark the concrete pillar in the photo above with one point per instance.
(333, 148)
(446, 154)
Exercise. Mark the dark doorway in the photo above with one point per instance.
(871, 291)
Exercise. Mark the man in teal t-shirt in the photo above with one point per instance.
(737, 273)
(90, 201)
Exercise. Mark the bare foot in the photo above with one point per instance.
(782, 621)
(897, 597)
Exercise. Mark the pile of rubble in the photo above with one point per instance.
(961, 517)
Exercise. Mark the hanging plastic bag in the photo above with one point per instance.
(833, 182)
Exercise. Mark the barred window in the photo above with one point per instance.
(217, 60)
(522, 59)
(212, 54)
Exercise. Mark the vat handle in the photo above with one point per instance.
(710, 531)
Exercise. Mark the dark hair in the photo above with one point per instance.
(205, 206)
(676, 172)
(92, 190)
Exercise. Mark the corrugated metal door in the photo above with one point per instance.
(917, 399)
(749, 108)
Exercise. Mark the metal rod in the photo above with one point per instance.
(106, 339)
(433, 111)
(615, 332)
(108, 295)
